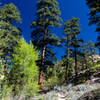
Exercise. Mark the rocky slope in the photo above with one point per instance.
(93, 95)
(75, 92)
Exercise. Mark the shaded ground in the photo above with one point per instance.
(93, 95)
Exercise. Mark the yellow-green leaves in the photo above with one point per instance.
(24, 68)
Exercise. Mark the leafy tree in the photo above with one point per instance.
(9, 33)
(24, 72)
(47, 17)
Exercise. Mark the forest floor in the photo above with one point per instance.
(70, 92)
(74, 92)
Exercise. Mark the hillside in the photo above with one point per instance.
(88, 89)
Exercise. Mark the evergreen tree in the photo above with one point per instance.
(97, 44)
(94, 17)
(55, 75)
(89, 51)
(71, 31)
(23, 76)
(75, 42)
(94, 6)
(67, 41)
(9, 33)
(47, 17)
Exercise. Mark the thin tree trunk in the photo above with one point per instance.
(85, 63)
(76, 70)
(92, 57)
(67, 65)
(42, 61)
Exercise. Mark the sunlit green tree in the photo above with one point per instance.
(24, 72)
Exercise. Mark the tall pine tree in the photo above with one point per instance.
(47, 17)
(66, 39)
(71, 31)
(75, 42)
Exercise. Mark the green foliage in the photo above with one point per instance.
(75, 31)
(88, 51)
(47, 17)
(10, 13)
(83, 79)
(1, 68)
(71, 31)
(24, 71)
(94, 17)
(18, 67)
(55, 75)
(5, 91)
(94, 11)
(51, 82)
(9, 33)
(71, 65)
(96, 67)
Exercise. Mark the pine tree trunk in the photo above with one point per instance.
(42, 61)
(41, 69)
(76, 70)
(92, 57)
(85, 62)
(41, 78)
(67, 65)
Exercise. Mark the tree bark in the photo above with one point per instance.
(85, 62)
(67, 65)
(76, 70)
(42, 60)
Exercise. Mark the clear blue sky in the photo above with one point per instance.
(69, 8)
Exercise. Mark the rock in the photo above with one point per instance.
(93, 95)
